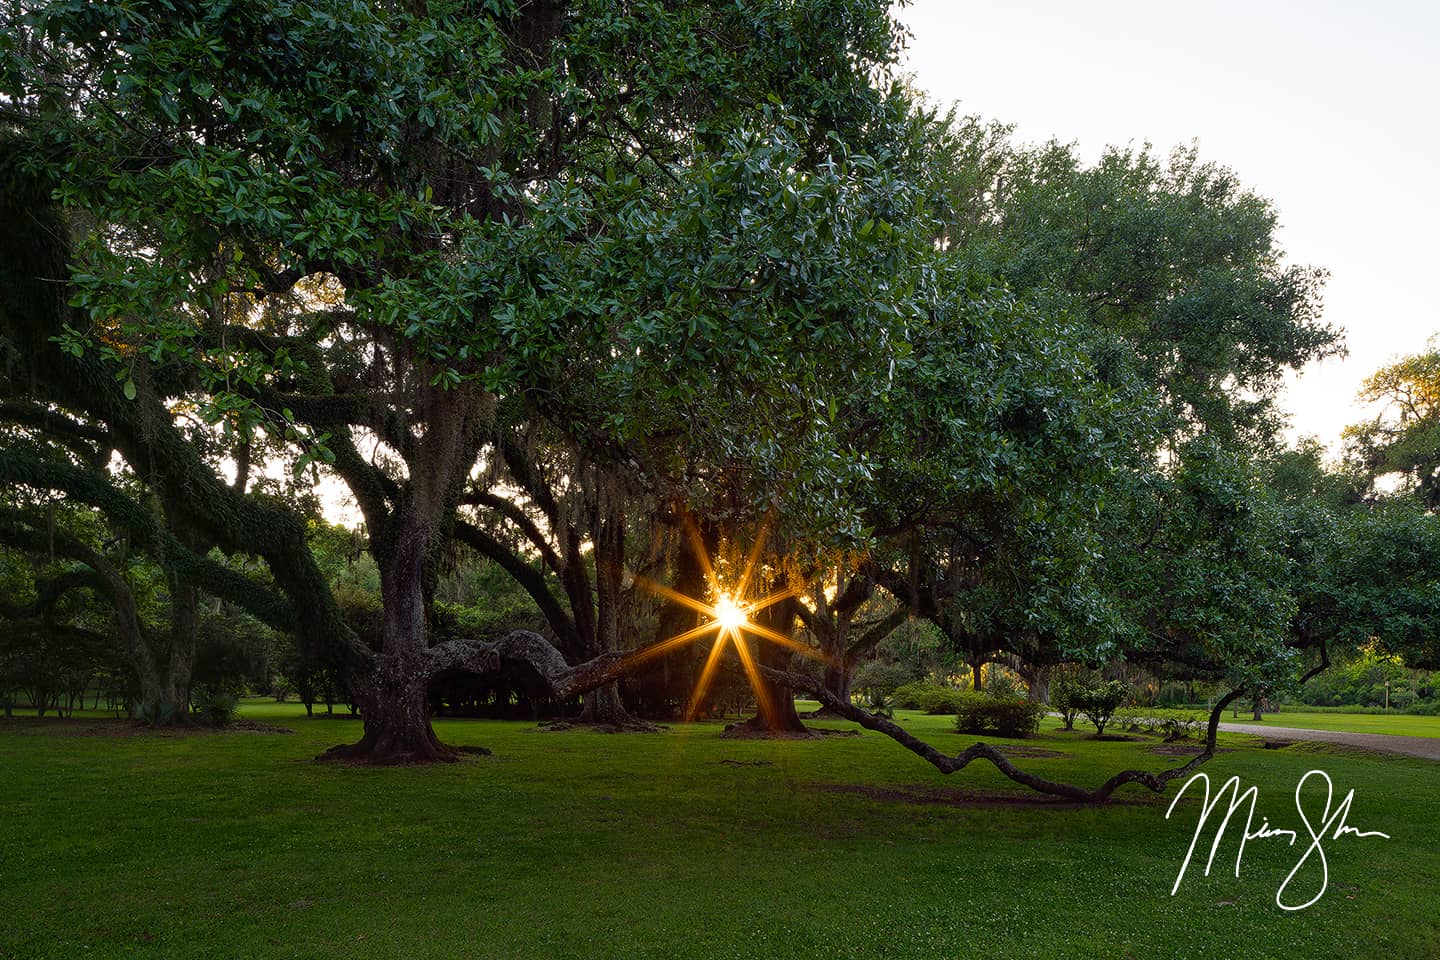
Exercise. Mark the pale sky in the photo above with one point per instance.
(1328, 109)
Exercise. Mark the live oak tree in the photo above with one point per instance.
(1362, 569)
(362, 227)
(80, 587)
(1171, 281)
(1402, 441)
(1179, 260)
(568, 270)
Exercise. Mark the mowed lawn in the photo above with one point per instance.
(674, 845)
(1401, 724)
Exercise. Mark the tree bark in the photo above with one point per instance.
(393, 698)
(604, 705)
(396, 712)
(408, 523)
(777, 702)
(1037, 682)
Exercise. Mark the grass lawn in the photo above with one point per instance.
(675, 845)
(1397, 723)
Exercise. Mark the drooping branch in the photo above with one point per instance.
(149, 535)
(945, 763)
(48, 592)
(875, 633)
(102, 576)
(513, 512)
(85, 439)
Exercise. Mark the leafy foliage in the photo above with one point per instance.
(1006, 716)
(1098, 701)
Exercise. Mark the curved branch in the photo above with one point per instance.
(149, 535)
(512, 511)
(983, 751)
(527, 576)
(48, 592)
(526, 646)
(51, 421)
(875, 633)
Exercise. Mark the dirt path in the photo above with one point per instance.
(1427, 747)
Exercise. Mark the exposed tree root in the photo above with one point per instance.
(757, 729)
(387, 749)
(631, 724)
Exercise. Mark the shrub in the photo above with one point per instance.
(879, 704)
(1003, 684)
(1063, 688)
(941, 700)
(1173, 724)
(927, 695)
(156, 714)
(213, 707)
(1007, 716)
(1097, 702)
(876, 678)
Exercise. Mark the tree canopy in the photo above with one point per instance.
(602, 291)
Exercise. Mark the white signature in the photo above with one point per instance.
(1332, 826)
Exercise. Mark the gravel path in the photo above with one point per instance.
(1427, 747)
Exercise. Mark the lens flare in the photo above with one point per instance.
(729, 619)
(729, 614)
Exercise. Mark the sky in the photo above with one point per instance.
(1328, 109)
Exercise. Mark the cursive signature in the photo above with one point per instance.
(1331, 826)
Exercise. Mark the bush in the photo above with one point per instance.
(907, 695)
(213, 707)
(1063, 688)
(1173, 724)
(927, 695)
(941, 700)
(1097, 702)
(874, 678)
(1006, 716)
(879, 704)
(156, 714)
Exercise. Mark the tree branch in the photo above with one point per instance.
(523, 573)
(983, 751)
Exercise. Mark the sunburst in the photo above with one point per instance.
(729, 616)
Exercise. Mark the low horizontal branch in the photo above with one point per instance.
(947, 764)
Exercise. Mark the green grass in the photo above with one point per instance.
(1400, 724)
(574, 844)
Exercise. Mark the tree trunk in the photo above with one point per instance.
(604, 705)
(978, 669)
(1037, 684)
(396, 712)
(777, 703)
(184, 624)
(394, 698)
(837, 682)
(160, 703)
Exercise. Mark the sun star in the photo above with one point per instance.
(729, 613)
(729, 618)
